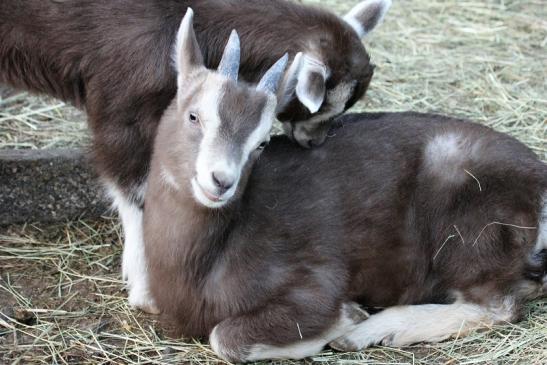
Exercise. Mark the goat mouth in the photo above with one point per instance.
(208, 195)
(211, 197)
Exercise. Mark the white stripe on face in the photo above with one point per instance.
(261, 132)
(206, 158)
(211, 158)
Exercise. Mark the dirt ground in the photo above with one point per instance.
(61, 296)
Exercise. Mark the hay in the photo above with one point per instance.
(28, 121)
(482, 60)
(67, 278)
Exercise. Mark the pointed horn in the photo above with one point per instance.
(270, 81)
(229, 64)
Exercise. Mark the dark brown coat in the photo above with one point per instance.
(113, 58)
(397, 209)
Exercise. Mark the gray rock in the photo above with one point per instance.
(48, 186)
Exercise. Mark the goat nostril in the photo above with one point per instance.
(222, 182)
(306, 143)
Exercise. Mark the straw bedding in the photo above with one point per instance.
(484, 60)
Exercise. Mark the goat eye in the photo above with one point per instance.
(262, 145)
(194, 119)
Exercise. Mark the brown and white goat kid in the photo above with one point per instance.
(112, 58)
(442, 220)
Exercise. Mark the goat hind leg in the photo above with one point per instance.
(406, 325)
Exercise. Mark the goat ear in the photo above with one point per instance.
(188, 55)
(310, 83)
(229, 64)
(270, 81)
(366, 15)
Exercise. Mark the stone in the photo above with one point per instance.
(48, 186)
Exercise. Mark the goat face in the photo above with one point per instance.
(219, 126)
(330, 76)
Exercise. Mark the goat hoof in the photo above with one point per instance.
(143, 303)
(355, 313)
(343, 344)
(150, 309)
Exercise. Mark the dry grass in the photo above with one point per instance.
(484, 60)
(29, 121)
(64, 284)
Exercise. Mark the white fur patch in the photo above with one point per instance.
(449, 155)
(134, 268)
(406, 325)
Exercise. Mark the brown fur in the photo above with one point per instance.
(364, 218)
(113, 58)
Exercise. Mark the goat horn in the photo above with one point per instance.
(270, 81)
(229, 64)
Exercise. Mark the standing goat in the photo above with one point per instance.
(112, 58)
(445, 220)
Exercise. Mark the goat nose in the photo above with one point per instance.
(316, 142)
(222, 181)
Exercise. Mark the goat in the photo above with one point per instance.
(271, 251)
(112, 58)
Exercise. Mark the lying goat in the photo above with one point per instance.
(443, 220)
(112, 58)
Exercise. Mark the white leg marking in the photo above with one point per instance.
(134, 270)
(299, 350)
(405, 325)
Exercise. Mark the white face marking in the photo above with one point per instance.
(406, 325)
(209, 158)
(206, 159)
(261, 132)
(134, 268)
(337, 98)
